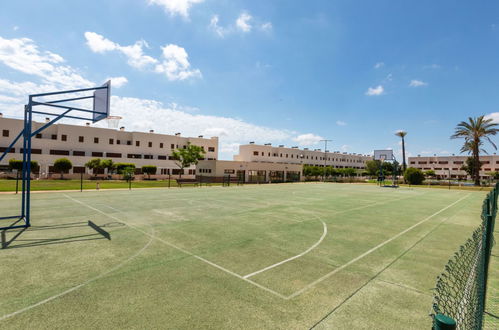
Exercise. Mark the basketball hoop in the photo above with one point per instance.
(113, 121)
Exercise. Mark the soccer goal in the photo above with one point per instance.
(89, 104)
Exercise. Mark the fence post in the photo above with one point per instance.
(443, 322)
(488, 243)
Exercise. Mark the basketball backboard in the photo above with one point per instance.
(383, 155)
(102, 102)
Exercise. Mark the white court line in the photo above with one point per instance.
(296, 256)
(307, 287)
(177, 247)
(118, 266)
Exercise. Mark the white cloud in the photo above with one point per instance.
(345, 148)
(176, 7)
(15, 28)
(494, 116)
(340, 123)
(175, 64)
(379, 65)
(374, 91)
(242, 22)
(308, 139)
(117, 81)
(220, 31)
(134, 53)
(417, 83)
(23, 55)
(266, 26)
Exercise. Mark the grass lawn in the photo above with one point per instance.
(289, 256)
(42, 185)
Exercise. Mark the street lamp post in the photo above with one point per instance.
(325, 158)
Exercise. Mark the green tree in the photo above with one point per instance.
(474, 132)
(95, 165)
(402, 135)
(62, 165)
(372, 167)
(120, 167)
(17, 165)
(414, 175)
(109, 165)
(149, 169)
(127, 172)
(188, 156)
(494, 175)
(469, 166)
(429, 174)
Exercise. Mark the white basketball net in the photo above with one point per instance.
(113, 121)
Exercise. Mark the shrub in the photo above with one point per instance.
(120, 167)
(17, 165)
(414, 176)
(149, 169)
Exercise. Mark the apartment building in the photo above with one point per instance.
(445, 165)
(269, 154)
(83, 143)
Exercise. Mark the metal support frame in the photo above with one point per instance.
(27, 134)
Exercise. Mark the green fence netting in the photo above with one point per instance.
(460, 292)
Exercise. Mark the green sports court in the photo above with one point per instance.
(283, 256)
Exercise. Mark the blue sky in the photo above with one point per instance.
(285, 72)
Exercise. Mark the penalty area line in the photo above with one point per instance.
(177, 247)
(314, 283)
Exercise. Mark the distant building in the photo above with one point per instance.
(445, 165)
(270, 154)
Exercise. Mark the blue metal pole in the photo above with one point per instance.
(28, 164)
(23, 175)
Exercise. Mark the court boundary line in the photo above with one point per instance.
(180, 249)
(324, 233)
(76, 287)
(324, 277)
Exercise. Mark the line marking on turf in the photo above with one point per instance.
(177, 247)
(314, 283)
(93, 279)
(294, 257)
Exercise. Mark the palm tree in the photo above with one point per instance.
(402, 134)
(474, 132)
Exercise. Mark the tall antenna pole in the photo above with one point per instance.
(325, 158)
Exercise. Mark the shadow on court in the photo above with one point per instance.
(16, 241)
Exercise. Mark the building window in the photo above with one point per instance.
(111, 141)
(128, 143)
(38, 136)
(161, 145)
(150, 144)
(135, 156)
(172, 146)
(54, 136)
(147, 156)
(78, 169)
(12, 150)
(192, 172)
(211, 149)
(5, 133)
(229, 171)
(96, 140)
(113, 155)
(64, 137)
(118, 142)
(97, 154)
(255, 153)
(162, 157)
(137, 143)
(59, 152)
(81, 139)
(78, 153)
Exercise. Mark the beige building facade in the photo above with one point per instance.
(83, 143)
(251, 172)
(445, 165)
(270, 154)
